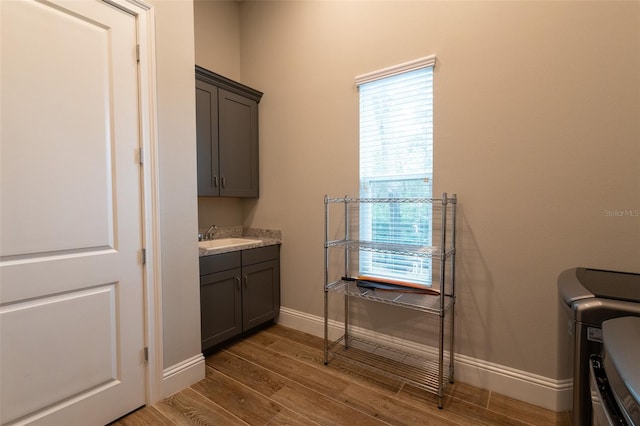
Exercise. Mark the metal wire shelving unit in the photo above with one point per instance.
(426, 371)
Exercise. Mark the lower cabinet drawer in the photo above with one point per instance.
(260, 254)
(219, 262)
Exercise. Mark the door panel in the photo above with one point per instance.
(47, 166)
(220, 307)
(238, 125)
(71, 306)
(40, 333)
(261, 293)
(207, 138)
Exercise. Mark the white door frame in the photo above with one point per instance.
(150, 192)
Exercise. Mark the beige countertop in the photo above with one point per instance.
(263, 237)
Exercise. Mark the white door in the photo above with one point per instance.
(71, 272)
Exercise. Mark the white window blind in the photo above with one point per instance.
(396, 161)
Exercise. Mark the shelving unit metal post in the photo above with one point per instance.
(422, 371)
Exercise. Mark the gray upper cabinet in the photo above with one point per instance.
(227, 136)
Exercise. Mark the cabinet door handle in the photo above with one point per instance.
(246, 280)
(215, 181)
(222, 181)
(238, 283)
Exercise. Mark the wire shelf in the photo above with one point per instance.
(413, 250)
(419, 371)
(416, 301)
(387, 200)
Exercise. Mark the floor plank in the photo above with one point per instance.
(190, 407)
(390, 409)
(246, 403)
(261, 380)
(285, 366)
(308, 394)
(143, 417)
(277, 376)
(377, 403)
(313, 354)
(526, 412)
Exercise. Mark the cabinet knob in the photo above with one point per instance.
(215, 181)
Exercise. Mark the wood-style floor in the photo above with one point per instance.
(277, 377)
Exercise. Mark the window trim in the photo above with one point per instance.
(427, 61)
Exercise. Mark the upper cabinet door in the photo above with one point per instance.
(207, 138)
(238, 131)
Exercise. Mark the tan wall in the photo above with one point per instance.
(537, 129)
(217, 48)
(177, 169)
(217, 36)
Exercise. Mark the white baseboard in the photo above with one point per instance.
(541, 391)
(182, 375)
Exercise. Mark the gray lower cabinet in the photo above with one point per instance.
(226, 136)
(238, 292)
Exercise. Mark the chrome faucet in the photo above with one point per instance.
(209, 233)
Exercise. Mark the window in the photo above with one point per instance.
(396, 161)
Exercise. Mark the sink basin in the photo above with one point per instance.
(226, 243)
